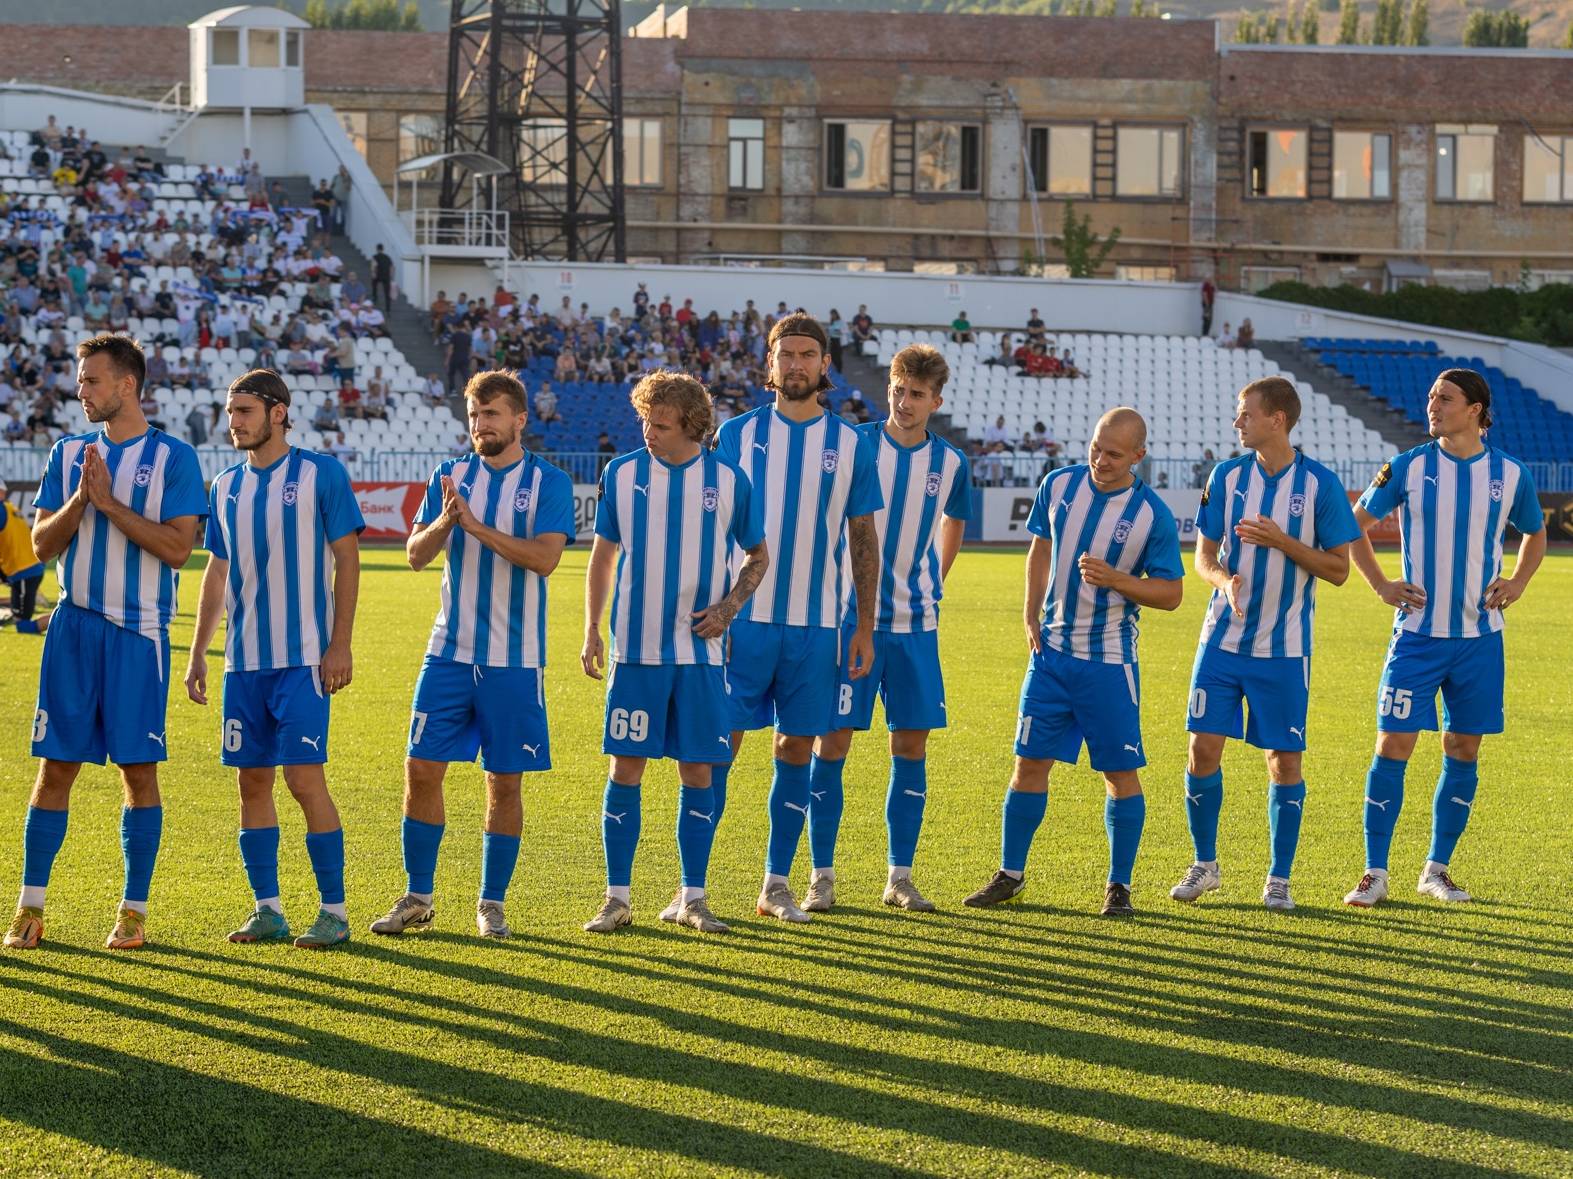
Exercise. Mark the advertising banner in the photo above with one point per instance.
(390, 508)
(1005, 510)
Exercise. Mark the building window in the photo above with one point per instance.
(642, 152)
(1362, 166)
(1147, 162)
(1061, 160)
(1277, 164)
(745, 154)
(1465, 159)
(543, 152)
(224, 48)
(1548, 169)
(949, 157)
(857, 156)
(1144, 273)
(292, 49)
(354, 124)
(420, 135)
(262, 48)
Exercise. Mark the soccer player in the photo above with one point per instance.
(1104, 545)
(20, 567)
(502, 516)
(928, 497)
(1455, 496)
(667, 517)
(1272, 522)
(120, 507)
(816, 475)
(283, 541)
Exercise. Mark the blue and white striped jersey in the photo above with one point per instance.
(1132, 529)
(274, 525)
(1310, 504)
(102, 570)
(1452, 514)
(919, 485)
(812, 477)
(675, 526)
(493, 612)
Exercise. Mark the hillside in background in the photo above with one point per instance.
(1549, 19)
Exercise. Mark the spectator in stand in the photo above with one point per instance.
(197, 426)
(349, 398)
(1226, 337)
(855, 409)
(1038, 361)
(457, 357)
(341, 198)
(1247, 336)
(997, 433)
(340, 449)
(605, 448)
(1003, 358)
(1209, 293)
(341, 359)
(1162, 482)
(441, 309)
(322, 202)
(326, 418)
(567, 366)
(351, 290)
(434, 392)
(1202, 470)
(641, 301)
(382, 277)
(546, 405)
(375, 404)
(961, 329)
(862, 327)
(836, 329)
(1036, 329)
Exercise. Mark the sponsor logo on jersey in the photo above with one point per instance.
(1122, 531)
(1297, 504)
(931, 484)
(144, 475)
(291, 493)
(830, 460)
(521, 500)
(710, 497)
(1497, 488)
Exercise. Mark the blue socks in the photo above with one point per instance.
(620, 832)
(1450, 809)
(1384, 798)
(140, 829)
(499, 854)
(421, 841)
(1203, 801)
(718, 776)
(326, 851)
(1285, 807)
(1123, 819)
(1023, 813)
(41, 840)
(904, 808)
(788, 811)
(259, 852)
(826, 802)
(696, 816)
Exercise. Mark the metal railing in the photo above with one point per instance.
(476, 229)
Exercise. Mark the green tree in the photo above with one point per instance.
(1349, 22)
(1084, 250)
(1245, 26)
(316, 14)
(1292, 22)
(1567, 42)
(1107, 8)
(1387, 25)
(1500, 30)
(1311, 24)
(1418, 31)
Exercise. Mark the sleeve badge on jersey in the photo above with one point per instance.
(1122, 531)
(521, 500)
(1206, 494)
(1383, 475)
(1297, 504)
(830, 460)
(144, 475)
(1497, 488)
(931, 484)
(710, 498)
(291, 494)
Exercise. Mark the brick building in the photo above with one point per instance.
(939, 142)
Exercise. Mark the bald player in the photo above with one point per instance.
(1103, 546)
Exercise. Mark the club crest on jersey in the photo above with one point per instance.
(931, 484)
(1122, 531)
(1297, 504)
(144, 475)
(830, 460)
(1497, 487)
(291, 494)
(521, 500)
(710, 498)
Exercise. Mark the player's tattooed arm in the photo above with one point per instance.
(865, 567)
(711, 623)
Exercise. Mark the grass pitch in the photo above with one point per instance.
(1219, 1039)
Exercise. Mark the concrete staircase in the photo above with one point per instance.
(1389, 423)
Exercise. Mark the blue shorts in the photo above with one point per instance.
(1065, 701)
(906, 678)
(275, 718)
(462, 709)
(102, 692)
(676, 710)
(1278, 692)
(1469, 673)
(784, 675)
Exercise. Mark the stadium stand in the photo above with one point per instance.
(1400, 374)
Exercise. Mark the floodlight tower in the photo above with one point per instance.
(537, 85)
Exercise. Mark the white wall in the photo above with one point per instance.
(111, 120)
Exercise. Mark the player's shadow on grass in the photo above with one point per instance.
(833, 1064)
